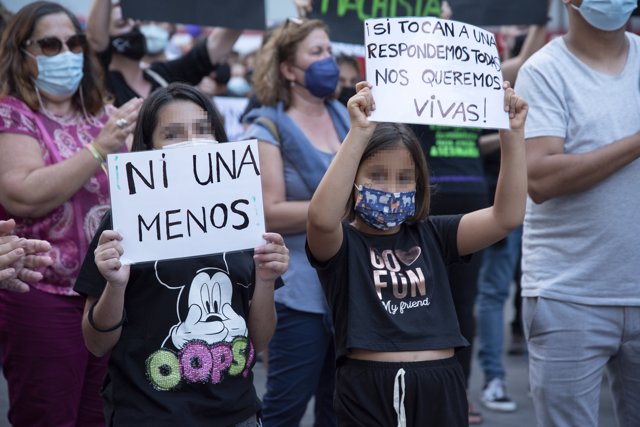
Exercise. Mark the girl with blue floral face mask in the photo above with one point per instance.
(384, 269)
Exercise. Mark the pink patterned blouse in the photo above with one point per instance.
(71, 226)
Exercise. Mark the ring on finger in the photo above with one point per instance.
(122, 123)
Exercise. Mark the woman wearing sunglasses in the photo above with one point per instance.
(55, 134)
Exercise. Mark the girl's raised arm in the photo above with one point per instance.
(104, 316)
(484, 227)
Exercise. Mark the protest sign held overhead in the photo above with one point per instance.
(197, 199)
(434, 71)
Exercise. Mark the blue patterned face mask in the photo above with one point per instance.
(383, 210)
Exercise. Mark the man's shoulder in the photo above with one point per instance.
(549, 65)
(547, 55)
(633, 38)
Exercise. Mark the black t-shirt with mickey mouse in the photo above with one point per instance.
(391, 293)
(184, 357)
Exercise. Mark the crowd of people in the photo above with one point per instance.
(88, 340)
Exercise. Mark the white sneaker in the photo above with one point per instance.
(494, 396)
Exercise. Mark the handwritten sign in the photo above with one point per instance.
(189, 201)
(434, 71)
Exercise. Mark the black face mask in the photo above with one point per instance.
(132, 44)
(345, 94)
(223, 73)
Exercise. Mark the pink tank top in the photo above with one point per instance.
(70, 227)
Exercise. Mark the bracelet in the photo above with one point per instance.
(97, 155)
(113, 328)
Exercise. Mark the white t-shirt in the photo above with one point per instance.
(583, 247)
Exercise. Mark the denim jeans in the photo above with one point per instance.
(301, 365)
(494, 282)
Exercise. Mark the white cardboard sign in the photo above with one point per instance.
(427, 70)
(187, 201)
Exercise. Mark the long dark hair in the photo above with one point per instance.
(148, 116)
(392, 135)
(15, 77)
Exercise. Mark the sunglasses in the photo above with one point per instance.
(51, 46)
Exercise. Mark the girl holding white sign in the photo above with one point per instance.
(183, 334)
(384, 269)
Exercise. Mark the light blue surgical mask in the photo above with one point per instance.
(606, 15)
(238, 86)
(59, 75)
(384, 210)
(157, 38)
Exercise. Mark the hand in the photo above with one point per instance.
(118, 128)
(304, 7)
(19, 259)
(107, 258)
(271, 259)
(516, 107)
(360, 106)
(10, 250)
(445, 10)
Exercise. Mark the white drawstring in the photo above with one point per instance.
(398, 398)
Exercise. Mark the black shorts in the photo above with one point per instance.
(428, 394)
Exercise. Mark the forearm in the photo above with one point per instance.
(563, 174)
(262, 315)
(511, 190)
(98, 25)
(220, 42)
(327, 207)
(107, 312)
(42, 190)
(287, 217)
(489, 143)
